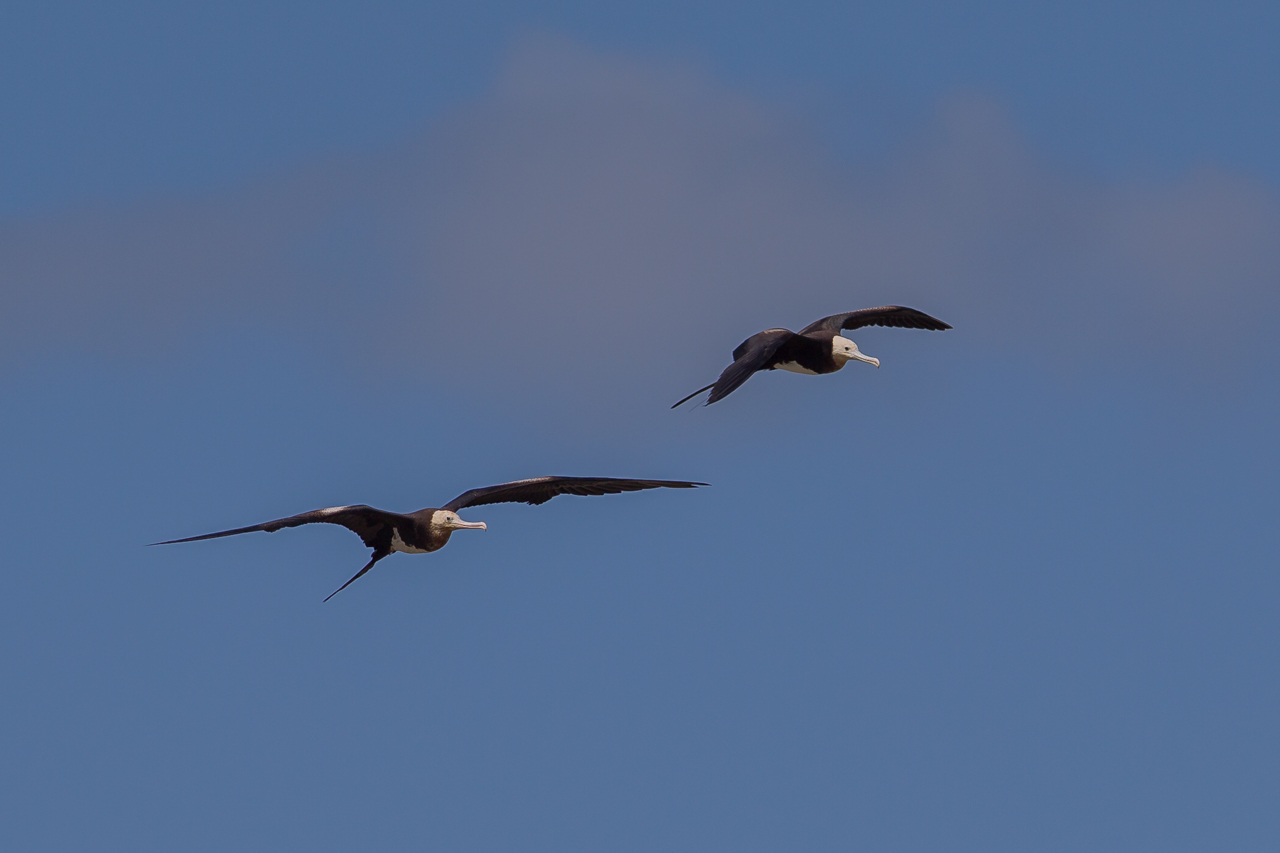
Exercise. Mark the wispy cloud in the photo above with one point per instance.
(621, 207)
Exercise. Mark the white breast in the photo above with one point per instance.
(794, 367)
(397, 544)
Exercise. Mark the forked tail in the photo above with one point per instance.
(694, 394)
(377, 555)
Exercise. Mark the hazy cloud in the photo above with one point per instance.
(620, 206)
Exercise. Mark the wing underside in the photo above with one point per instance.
(370, 524)
(539, 490)
(373, 526)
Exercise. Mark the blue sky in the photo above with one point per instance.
(1015, 590)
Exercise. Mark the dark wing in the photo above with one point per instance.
(755, 353)
(539, 490)
(751, 355)
(887, 315)
(373, 526)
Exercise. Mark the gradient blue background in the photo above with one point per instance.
(1016, 590)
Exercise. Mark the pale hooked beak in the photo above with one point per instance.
(468, 525)
(868, 359)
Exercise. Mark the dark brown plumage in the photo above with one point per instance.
(812, 349)
(429, 529)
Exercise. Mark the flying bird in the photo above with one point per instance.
(429, 529)
(817, 348)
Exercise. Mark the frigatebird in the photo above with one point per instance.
(429, 529)
(817, 348)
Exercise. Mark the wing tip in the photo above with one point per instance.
(173, 541)
(932, 324)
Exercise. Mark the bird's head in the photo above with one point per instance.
(443, 518)
(843, 350)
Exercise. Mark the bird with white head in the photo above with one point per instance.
(816, 349)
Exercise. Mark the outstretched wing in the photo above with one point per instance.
(753, 354)
(539, 490)
(373, 526)
(887, 315)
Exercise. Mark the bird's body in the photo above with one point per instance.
(424, 538)
(420, 532)
(429, 529)
(810, 354)
(816, 349)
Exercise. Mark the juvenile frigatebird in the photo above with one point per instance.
(817, 348)
(429, 529)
